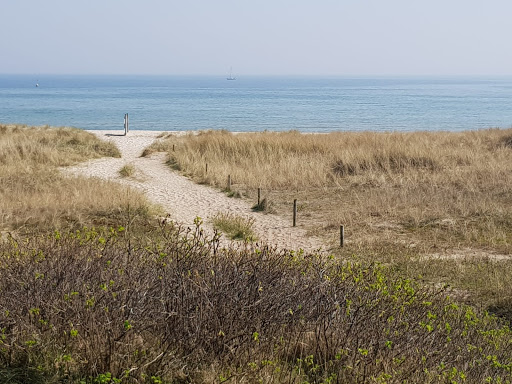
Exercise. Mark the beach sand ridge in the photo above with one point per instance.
(180, 197)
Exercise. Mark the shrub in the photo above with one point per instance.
(176, 306)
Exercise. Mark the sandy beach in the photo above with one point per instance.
(180, 197)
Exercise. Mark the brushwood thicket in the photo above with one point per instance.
(103, 304)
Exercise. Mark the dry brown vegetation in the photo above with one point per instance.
(33, 193)
(400, 196)
(127, 170)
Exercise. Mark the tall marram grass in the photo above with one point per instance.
(49, 146)
(400, 196)
(273, 160)
(103, 306)
(35, 195)
(415, 180)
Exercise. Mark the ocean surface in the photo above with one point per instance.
(307, 104)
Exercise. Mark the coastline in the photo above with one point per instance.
(306, 104)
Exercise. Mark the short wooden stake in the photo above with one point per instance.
(206, 168)
(295, 212)
(342, 235)
(173, 148)
(259, 195)
(229, 182)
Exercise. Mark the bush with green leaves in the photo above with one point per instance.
(169, 306)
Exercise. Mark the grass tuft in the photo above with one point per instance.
(264, 206)
(235, 227)
(127, 170)
(507, 141)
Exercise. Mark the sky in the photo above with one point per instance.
(265, 37)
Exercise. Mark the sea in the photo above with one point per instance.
(257, 103)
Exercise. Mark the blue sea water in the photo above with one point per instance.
(307, 104)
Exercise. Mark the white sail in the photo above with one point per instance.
(230, 77)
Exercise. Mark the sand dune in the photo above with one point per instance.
(183, 199)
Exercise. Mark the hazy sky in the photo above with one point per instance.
(280, 37)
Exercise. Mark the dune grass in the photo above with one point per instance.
(35, 195)
(400, 196)
(127, 170)
(235, 227)
(446, 185)
(50, 146)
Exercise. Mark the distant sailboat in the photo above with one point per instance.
(37, 84)
(230, 77)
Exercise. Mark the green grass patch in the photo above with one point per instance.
(235, 227)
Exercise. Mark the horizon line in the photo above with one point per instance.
(256, 74)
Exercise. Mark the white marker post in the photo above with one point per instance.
(126, 124)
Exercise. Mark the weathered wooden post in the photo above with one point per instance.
(229, 182)
(206, 169)
(295, 212)
(259, 195)
(342, 235)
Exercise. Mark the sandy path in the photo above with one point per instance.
(183, 199)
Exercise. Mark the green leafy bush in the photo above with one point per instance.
(173, 306)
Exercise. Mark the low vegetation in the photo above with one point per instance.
(103, 294)
(127, 170)
(235, 227)
(34, 194)
(423, 202)
(170, 306)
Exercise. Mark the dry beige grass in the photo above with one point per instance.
(127, 170)
(399, 195)
(33, 193)
(417, 181)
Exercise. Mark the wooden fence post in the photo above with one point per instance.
(229, 182)
(259, 195)
(342, 235)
